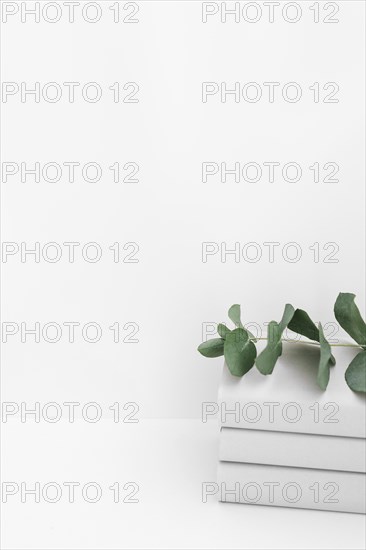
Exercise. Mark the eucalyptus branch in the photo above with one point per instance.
(309, 343)
(238, 345)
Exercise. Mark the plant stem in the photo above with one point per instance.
(313, 343)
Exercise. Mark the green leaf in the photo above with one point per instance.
(302, 324)
(212, 348)
(326, 360)
(239, 351)
(222, 330)
(234, 315)
(267, 359)
(356, 373)
(348, 316)
(286, 317)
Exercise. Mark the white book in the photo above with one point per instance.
(292, 487)
(292, 449)
(289, 400)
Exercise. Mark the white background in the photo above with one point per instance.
(171, 293)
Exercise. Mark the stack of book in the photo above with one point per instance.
(284, 442)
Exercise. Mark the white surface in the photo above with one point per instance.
(171, 294)
(290, 400)
(170, 460)
(293, 449)
(292, 487)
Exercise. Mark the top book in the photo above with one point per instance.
(289, 400)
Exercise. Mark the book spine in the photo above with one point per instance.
(292, 449)
(328, 418)
(292, 487)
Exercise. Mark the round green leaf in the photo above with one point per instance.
(302, 324)
(349, 317)
(356, 373)
(267, 359)
(222, 330)
(286, 317)
(234, 315)
(326, 360)
(212, 348)
(239, 351)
